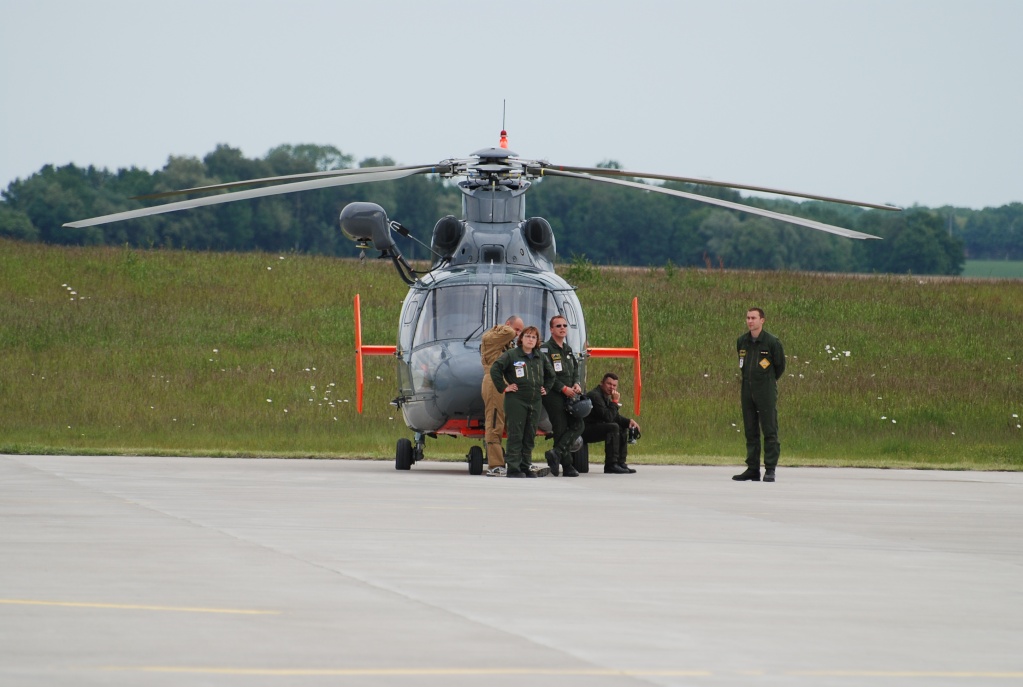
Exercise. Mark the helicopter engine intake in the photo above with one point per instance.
(447, 234)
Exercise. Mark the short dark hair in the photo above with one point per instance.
(529, 330)
(607, 376)
(556, 317)
(759, 310)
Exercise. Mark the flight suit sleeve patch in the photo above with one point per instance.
(765, 363)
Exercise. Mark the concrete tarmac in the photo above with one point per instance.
(202, 571)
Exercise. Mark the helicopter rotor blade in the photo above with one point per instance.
(368, 177)
(605, 172)
(276, 180)
(791, 219)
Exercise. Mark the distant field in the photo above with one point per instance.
(113, 350)
(1002, 269)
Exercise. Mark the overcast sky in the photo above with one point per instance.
(900, 101)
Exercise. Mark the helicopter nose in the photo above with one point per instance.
(458, 380)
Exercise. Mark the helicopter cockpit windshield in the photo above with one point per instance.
(448, 322)
(452, 313)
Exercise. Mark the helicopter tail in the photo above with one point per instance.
(360, 351)
(627, 353)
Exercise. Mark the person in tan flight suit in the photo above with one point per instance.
(496, 341)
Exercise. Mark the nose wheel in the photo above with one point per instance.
(403, 458)
(475, 458)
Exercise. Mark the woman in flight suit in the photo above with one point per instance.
(522, 374)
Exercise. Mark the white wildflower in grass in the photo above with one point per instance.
(273, 370)
(893, 421)
(953, 433)
(269, 400)
(847, 353)
(801, 375)
(390, 418)
(285, 410)
(883, 417)
(1015, 415)
(281, 257)
(335, 419)
(332, 384)
(346, 400)
(312, 387)
(269, 268)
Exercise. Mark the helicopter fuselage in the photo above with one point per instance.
(491, 265)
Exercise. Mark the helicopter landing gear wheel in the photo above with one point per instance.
(581, 458)
(403, 455)
(475, 460)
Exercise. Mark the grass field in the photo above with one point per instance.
(124, 351)
(999, 269)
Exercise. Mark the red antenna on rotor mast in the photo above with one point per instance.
(504, 134)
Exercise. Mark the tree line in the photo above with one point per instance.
(601, 223)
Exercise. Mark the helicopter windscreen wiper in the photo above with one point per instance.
(483, 319)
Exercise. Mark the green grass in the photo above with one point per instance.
(177, 353)
(1000, 269)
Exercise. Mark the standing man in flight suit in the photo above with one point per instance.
(761, 363)
(496, 341)
(567, 428)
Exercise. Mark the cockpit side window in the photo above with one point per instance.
(451, 313)
(576, 334)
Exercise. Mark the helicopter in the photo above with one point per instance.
(490, 264)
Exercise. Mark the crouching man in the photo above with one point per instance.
(606, 422)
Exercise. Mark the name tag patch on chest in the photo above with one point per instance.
(520, 369)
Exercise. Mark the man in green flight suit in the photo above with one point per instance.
(567, 428)
(761, 364)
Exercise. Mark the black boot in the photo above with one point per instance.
(552, 461)
(567, 468)
(614, 469)
(750, 475)
(769, 474)
(625, 467)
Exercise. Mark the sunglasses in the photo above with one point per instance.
(561, 326)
